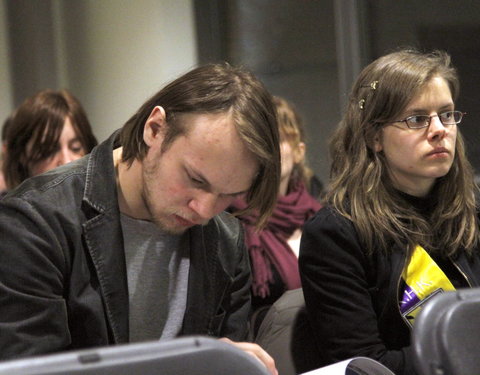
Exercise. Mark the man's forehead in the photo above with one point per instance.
(220, 158)
(191, 120)
(223, 180)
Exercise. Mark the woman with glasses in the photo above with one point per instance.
(400, 224)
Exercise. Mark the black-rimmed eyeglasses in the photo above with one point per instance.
(423, 121)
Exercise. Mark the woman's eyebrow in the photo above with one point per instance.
(423, 110)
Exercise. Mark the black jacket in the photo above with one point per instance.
(352, 299)
(63, 278)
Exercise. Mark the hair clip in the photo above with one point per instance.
(372, 85)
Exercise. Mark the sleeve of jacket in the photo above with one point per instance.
(33, 314)
(238, 299)
(338, 295)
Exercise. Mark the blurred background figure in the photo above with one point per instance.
(6, 125)
(295, 170)
(274, 250)
(47, 130)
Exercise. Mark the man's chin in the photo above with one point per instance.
(171, 229)
(175, 231)
(174, 226)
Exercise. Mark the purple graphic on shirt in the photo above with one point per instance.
(409, 299)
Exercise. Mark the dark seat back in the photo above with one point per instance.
(446, 334)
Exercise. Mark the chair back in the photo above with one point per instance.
(185, 356)
(446, 334)
(286, 334)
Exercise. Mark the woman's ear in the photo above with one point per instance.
(299, 153)
(377, 142)
(155, 126)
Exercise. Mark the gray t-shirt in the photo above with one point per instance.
(157, 273)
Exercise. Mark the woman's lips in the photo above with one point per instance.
(439, 152)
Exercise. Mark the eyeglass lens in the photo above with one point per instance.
(446, 118)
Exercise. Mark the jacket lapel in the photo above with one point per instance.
(104, 238)
(207, 282)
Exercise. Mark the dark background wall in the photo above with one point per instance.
(284, 44)
(35, 66)
(310, 51)
(453, 26)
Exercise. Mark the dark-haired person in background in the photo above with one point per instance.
(47, 130)
(6, 125)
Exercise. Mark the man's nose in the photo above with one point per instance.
(206, 205)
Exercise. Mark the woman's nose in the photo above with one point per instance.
(65, 156)
(436, 128)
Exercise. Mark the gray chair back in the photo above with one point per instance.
(446, 334)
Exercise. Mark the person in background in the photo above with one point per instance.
(47, 130)
(131, 243)
(400, 222)
(274, 250)
(6, 125)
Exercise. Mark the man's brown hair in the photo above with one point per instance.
(218, 88)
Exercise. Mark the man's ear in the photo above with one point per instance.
(155, 126)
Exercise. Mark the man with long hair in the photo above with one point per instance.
(131, 242)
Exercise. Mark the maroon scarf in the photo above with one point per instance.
(269, 246)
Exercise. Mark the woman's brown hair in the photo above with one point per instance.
(360, 186)
(292, 130)
(35, 129)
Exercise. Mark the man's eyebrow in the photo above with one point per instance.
(198, 176)
(208, 186)
(234, 195)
